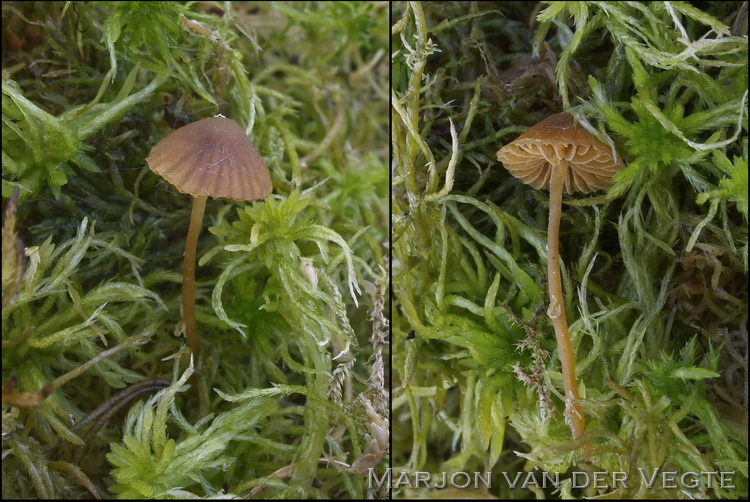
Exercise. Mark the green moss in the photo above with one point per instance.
(655, 271)
(290, 290)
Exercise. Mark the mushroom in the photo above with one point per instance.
(558, 154)
(209, 158)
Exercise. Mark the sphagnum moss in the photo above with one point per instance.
(90, 88)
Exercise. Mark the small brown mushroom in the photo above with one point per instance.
(558, 154)
(209, 158)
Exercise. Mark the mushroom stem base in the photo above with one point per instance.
(556, 312)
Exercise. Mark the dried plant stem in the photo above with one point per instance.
(188, 284)
(556, 310)
(101, 415)
(122, 398)
(60, 381)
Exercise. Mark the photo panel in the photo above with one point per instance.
(569, 249)
(196, 256)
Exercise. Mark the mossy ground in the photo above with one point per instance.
(290, 291)
(655, 270)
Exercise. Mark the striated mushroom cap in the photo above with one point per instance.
(554, 141)
(212, 157)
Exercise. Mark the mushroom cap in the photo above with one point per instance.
(532, 156)
(212, 157)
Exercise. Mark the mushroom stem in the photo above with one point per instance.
(188, 276)
(556, 310)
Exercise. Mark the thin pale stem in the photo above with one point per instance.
(188, 275)
(556, 310)
(188, 286)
